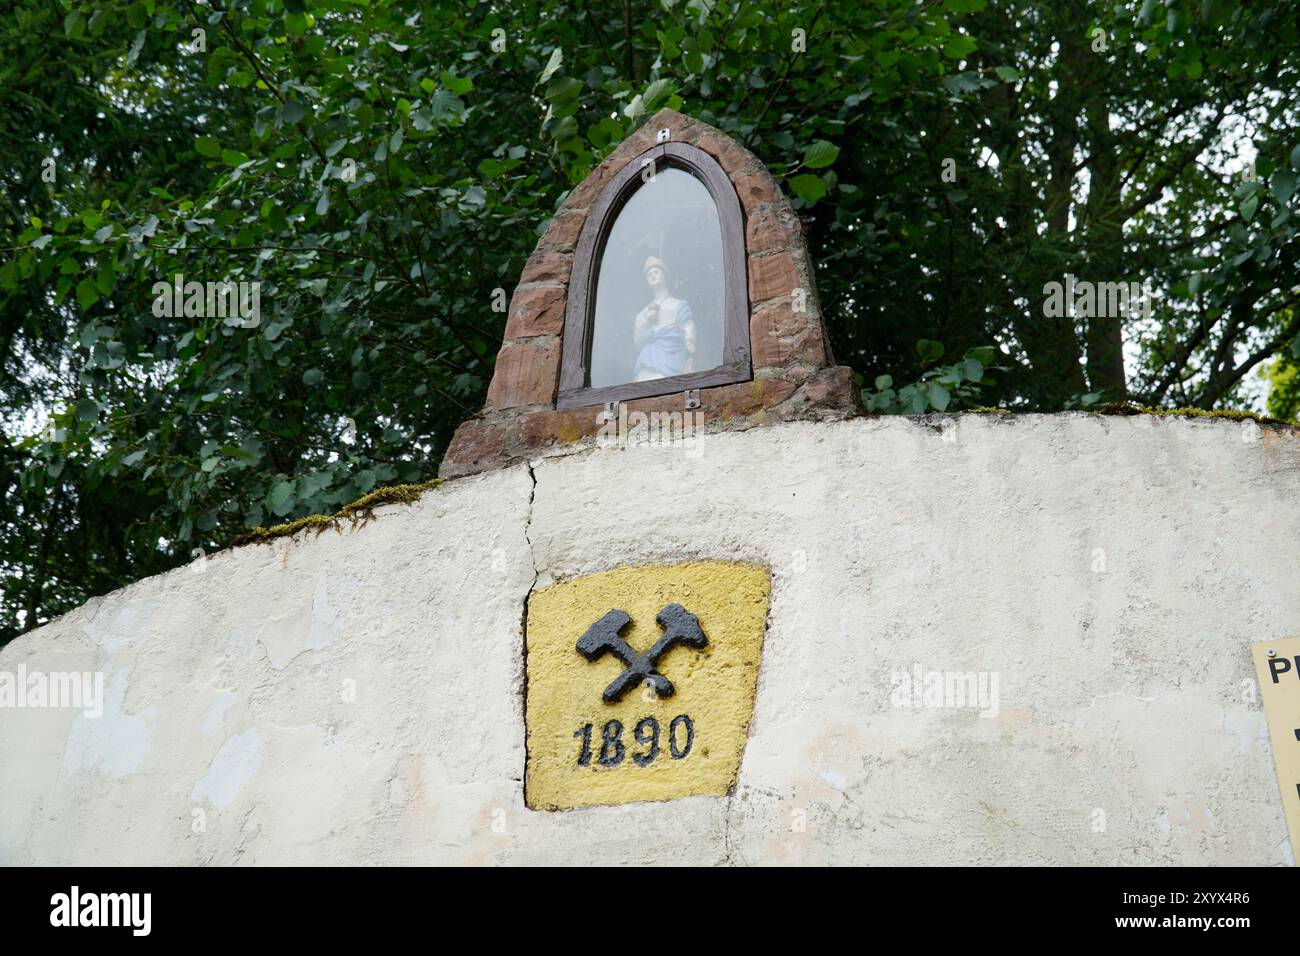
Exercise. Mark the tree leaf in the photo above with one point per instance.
(808, 187)
(929, 350)
(87, 410)
(460, 85)
(820, 154)
(1283, 185)
(444, 104)
(87, 294)
(553, 64)
(656, 93)
(959, 46)
(280, 500)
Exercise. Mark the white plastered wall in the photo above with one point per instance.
(356, 697)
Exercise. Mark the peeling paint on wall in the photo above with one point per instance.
(115, 743)
(233, 767)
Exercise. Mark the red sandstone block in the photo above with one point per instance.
(755, 189)
(564, 228)
(768, 229)
(779, 336)
(527, 373)
(584, 194)
(833, 389)
(731, 156)
(546, 266)
(536, 311)
(721, 402)
(771, 277)
(476, 441)
(543, 429)
(744, 398)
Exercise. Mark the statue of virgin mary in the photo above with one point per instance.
(664, 331)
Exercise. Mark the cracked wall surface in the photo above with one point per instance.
(357, 696)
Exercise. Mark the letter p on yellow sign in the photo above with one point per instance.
(1277, 666)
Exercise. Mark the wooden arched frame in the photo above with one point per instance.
(579, 314)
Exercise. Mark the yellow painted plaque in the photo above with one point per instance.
(641, 682)
(1277, 664)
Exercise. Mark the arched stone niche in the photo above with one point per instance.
(774, 362)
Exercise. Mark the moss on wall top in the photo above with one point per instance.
(1129, 408)
(361, 510)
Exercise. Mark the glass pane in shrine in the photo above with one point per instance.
(659, 289)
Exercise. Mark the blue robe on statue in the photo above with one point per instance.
(663, 349)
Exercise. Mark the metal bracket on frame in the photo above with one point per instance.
(610, 414)
(692, 398)
(663, 136)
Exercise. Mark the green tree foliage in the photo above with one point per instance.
(383, 168)
(939, 388)
(1284, 387)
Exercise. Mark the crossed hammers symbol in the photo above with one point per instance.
(680, 627)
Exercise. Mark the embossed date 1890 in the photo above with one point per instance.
(611, 752)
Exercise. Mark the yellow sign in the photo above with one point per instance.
(1277, 663)
(641, 682)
